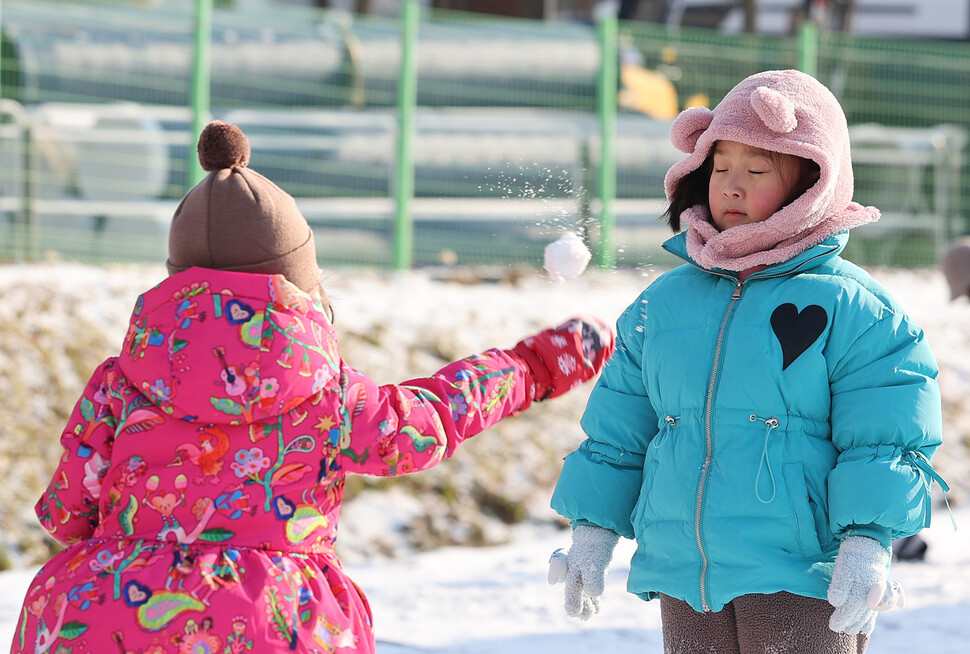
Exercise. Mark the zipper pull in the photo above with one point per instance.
(737, 291)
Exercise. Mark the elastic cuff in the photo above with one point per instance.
(541, 379)
(581, 522)
(876, 532)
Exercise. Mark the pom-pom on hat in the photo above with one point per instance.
(236, 219)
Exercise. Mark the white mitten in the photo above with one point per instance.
(861, 566)
(585, 569)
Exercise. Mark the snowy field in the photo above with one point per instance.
(496, 599)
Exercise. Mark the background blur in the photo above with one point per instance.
(442, 136)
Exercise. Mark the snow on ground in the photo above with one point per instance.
(480, 601)
(497, 599)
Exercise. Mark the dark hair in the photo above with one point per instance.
(692, 189)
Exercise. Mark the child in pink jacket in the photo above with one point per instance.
(203, 468)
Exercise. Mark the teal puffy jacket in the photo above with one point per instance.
(741, 430)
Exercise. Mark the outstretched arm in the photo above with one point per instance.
(399, 428)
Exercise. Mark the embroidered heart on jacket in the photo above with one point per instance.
(164, 503)
(797, 330)
(136, 594)
(284, 508)
(237, 312)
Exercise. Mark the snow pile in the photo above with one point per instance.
(567, 257)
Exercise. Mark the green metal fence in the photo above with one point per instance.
(436, 137)
(905, 102)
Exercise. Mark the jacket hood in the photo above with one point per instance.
(782, 111)
(228, 347)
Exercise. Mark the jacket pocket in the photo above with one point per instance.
(818, 502)
(651, 462)
(800, 497)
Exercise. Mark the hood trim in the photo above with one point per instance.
(226, 347)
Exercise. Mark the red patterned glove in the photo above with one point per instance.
(563, 358)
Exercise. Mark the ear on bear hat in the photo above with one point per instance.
(776, 111)
(688, 127)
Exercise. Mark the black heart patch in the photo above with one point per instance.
(797, 330)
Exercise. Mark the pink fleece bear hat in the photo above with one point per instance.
(783, 111)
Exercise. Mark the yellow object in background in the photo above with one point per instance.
(698, 100)
(647, 92)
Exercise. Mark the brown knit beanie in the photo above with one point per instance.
(236, 219)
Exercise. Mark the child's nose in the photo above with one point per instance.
(732, 188)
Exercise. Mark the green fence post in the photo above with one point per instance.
(407, 98)
(13, 244)
(606, 108)
(201, 90)
(1, 48)
(808, 48)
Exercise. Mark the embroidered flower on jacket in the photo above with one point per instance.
(158, 391)
(104, 560)
(248, 463)
(129, 472)
(196, 288)
(200, 642)
(459, 406)
(269, 387)
(320, 379)
(406, 464)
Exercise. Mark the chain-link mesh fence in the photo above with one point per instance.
(95, 122)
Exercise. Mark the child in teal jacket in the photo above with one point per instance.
(765, 426)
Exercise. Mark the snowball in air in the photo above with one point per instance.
(566, 258)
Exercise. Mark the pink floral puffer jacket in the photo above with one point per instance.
(203, 468)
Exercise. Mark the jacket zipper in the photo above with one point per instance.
(709, 442)
(709, 409)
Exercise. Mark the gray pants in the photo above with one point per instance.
(780, 623)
